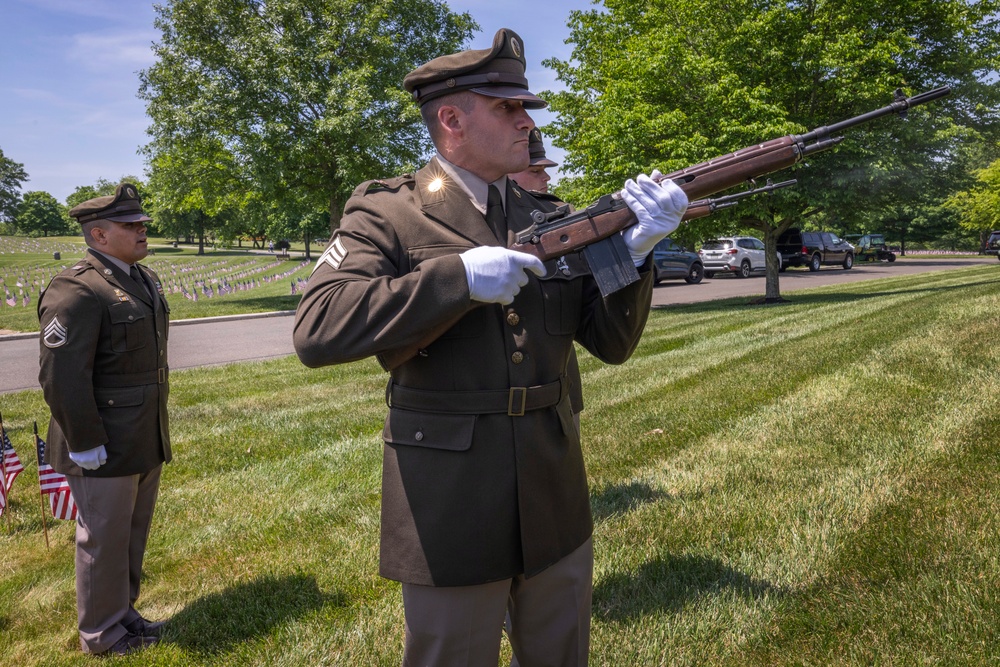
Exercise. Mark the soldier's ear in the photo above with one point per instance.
(451, 119)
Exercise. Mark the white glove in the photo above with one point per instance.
(497, 274)
(658, 207)
(92, 459)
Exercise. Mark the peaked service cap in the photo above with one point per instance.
(122, 206)
(536, 149)
(494, 72)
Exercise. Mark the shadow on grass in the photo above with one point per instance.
(622, 498)
(216, 622)
(257, 304)
(668, 584)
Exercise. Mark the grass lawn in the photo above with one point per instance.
(260, 282)
(812, 483)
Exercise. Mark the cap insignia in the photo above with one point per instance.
(131, 192)
(55, 334)
(450, 83)
(515, 47)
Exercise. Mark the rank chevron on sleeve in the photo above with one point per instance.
(55, 334)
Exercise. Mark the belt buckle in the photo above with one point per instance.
(512, 400)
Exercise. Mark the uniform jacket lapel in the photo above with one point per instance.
(120, 279)
(447, 203)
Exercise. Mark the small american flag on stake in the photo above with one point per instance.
(12, 466)
(53, 484)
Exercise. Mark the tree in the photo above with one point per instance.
(667, 86)
(12, 174)
(978, 207)
(39, 214)
(305, 94)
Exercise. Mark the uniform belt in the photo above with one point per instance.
(159, 376)
(514, 401)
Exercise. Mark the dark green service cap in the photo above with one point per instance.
(495, 72)
(536, 149)
(122, 206)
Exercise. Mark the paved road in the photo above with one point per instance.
(222, 340)
(202, 342)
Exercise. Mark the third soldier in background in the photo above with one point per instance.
(536, 180)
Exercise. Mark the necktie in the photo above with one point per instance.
(495, 216)
(137, 277)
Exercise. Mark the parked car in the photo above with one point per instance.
(739, 255)
(813, 249)
(993, 244)
(871, 248)
(671, 260)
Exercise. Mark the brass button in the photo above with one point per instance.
(419, 436)
(517, 357)
(513, 318)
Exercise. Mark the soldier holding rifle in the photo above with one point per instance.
(485, 505)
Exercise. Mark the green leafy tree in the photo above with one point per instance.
(305, 94)
(667, 86)
(978, 207)
(39, 214)
(12, 175)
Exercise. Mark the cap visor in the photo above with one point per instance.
(544, 162)
(130, 217)
(528, 99)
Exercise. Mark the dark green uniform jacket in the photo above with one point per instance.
(104, 368)
(469, 494)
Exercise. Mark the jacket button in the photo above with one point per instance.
(513, 318)
(419, 436)
(517, 357)
(130, 318)
(111, 402)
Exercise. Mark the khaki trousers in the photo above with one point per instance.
(112, 525)
(547, 618)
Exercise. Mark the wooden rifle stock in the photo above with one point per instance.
(553, 235)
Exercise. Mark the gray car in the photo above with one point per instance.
(738, 255)
(671, 260)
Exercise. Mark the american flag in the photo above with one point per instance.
(54, 485)
(11, 463)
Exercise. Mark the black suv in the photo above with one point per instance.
(993, 244)
(813, 249)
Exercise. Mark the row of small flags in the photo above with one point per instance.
(50, 482)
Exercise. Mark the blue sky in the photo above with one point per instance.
(68, 80)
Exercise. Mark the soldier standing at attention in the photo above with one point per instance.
(104, 375)
(485, 506)
(535, 178)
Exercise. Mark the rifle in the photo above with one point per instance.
(594, 229)
(696, 209)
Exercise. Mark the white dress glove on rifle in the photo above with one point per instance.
(497, 274)
(92, 459)
(658, 207)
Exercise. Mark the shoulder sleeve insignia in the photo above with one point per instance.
(334, 255)
(54, 334)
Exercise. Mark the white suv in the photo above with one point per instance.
(739, 255)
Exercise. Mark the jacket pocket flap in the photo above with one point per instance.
(426, 429)
(124, 312)
(118, 397)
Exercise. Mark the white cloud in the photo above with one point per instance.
(110, 50)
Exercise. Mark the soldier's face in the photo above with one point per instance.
(533, 178)
(122, 240)
(496, 131)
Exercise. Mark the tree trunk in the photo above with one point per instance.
(772, 289)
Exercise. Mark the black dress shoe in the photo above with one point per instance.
(144, 628)
(129, 643)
